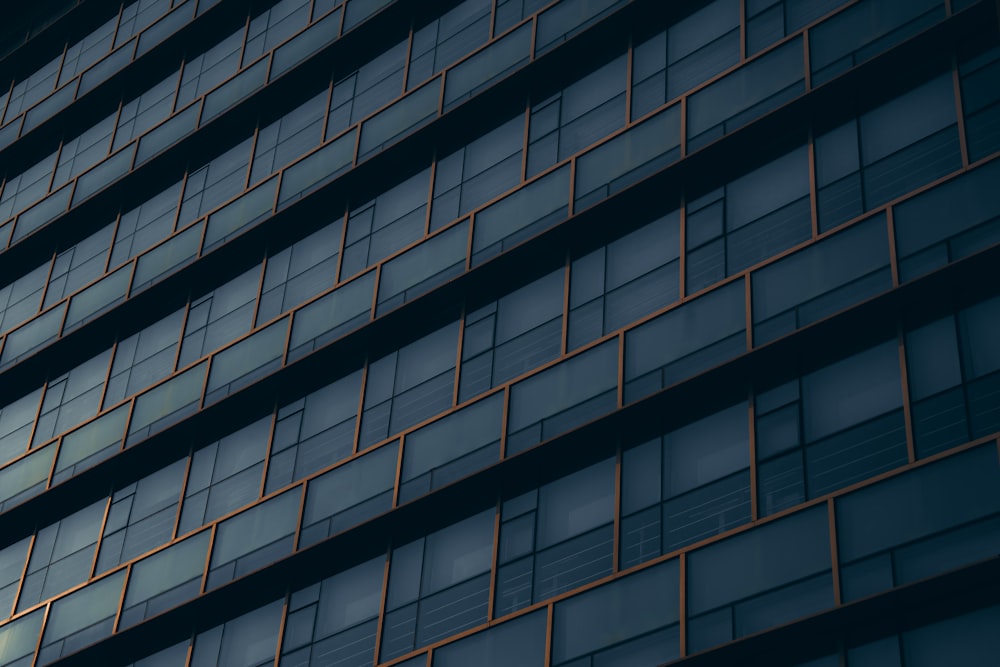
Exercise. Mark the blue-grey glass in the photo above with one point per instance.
(391, 221)
(216, 182)
(71, 398)
(349, 598)
(19, 638)
(478, 172)
(225, 475)
(567, 18)
(26, 188)
(274, 26)
(219, 317)
(62, 555)
(76, 266)
(11, 566)
(913, 506)
(141, 516)
(969, 639)
(451, 447)
(978, 324)
(310, 40)
(562, 397)
(166, 134)
(288, 137)
(239, 215)
(706, 450)
(696, 336)
(257, 537)
(136, 16)
(234, 90)
(423, 267)
(933, 363)
(447, 38)
(145, 111)
(576, 503)
(143, 358)
(246, 641)
(33, 335)
(367, 89)
(349, 494)
(166, 403)
(924, 244)
(746, 94)
(820, 280)
(19, 299)
(81, 618)
(204, 71)
(83, 151)
(632, 155)
(621, 610)
(165, 579)
(860, 32)
(32, 88)
(88, 50)
(332, 316)
(97, 298)
(16, 420)
(518, 642)
(528, 211)
(248, 360)
(402, 118)
(499, 59)
(27, 477)
(318, 168)
(145, 225)
(297, 273)
(980, 102)
(880, 653)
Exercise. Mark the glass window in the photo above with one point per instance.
(246, 641)
(892, 138)
(685, 486)
(26, 188)
(870, 27)
(451, 447)
(367, 89)
(694, 337)
(823, 278)
(619, 283)
(924, 244)
(912, 526)
(215, 183)
(981, 102)
(516, 333)
(138, 15)
(447, 38)
(144, 358)
(91, 443)
(71, 398)
(83, 151)
(771, 20)
(833, 427)
(274, 26)
(248, 360)
(78, 265)
(563, 397)
(255, 538)
(145, 225)
(145, 111)
(27, 477)
(577, 116)
(391, 221)
(141, 516)
(297, 273)
(510, 12)
(87, 51)
(37, 85)
(21, 299)
(399, 119)
(518, 642)
(568, 18)
(631, 621)
(314, 432)
(335, 620)
(219, 317)
(166, 403)
(165, 579)
(760, 578)
(556, 538)
(332, 316)
(969, 639)
(224, 476)
(62, 555)
(747, 93)
(438, 585)
(203, 72)
(751, 218)
(11, 566)
(19, 638)
(349, 494)
(534, 208)
(81, 618)
(408, 386)
(487, 66)
(16, 420)
(290, 136)
(478, 172)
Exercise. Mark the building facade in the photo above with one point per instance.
(500, 332)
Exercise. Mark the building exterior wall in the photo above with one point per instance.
(500, 332)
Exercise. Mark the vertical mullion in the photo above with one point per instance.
(682, 595)
(743, 32)
(458, 356)
(100, 537)
(281, 629)
(549, 611)
(361, 407)
(616, 536)
(834, 559)
(960, 112)
(495, 564)
(121, 599)
(180, 500)
(24, 574)
(268, 449)
(382, 605)
(911, 452)
(751, 418)
(564, 345)
(41, 634)
(629, 68)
